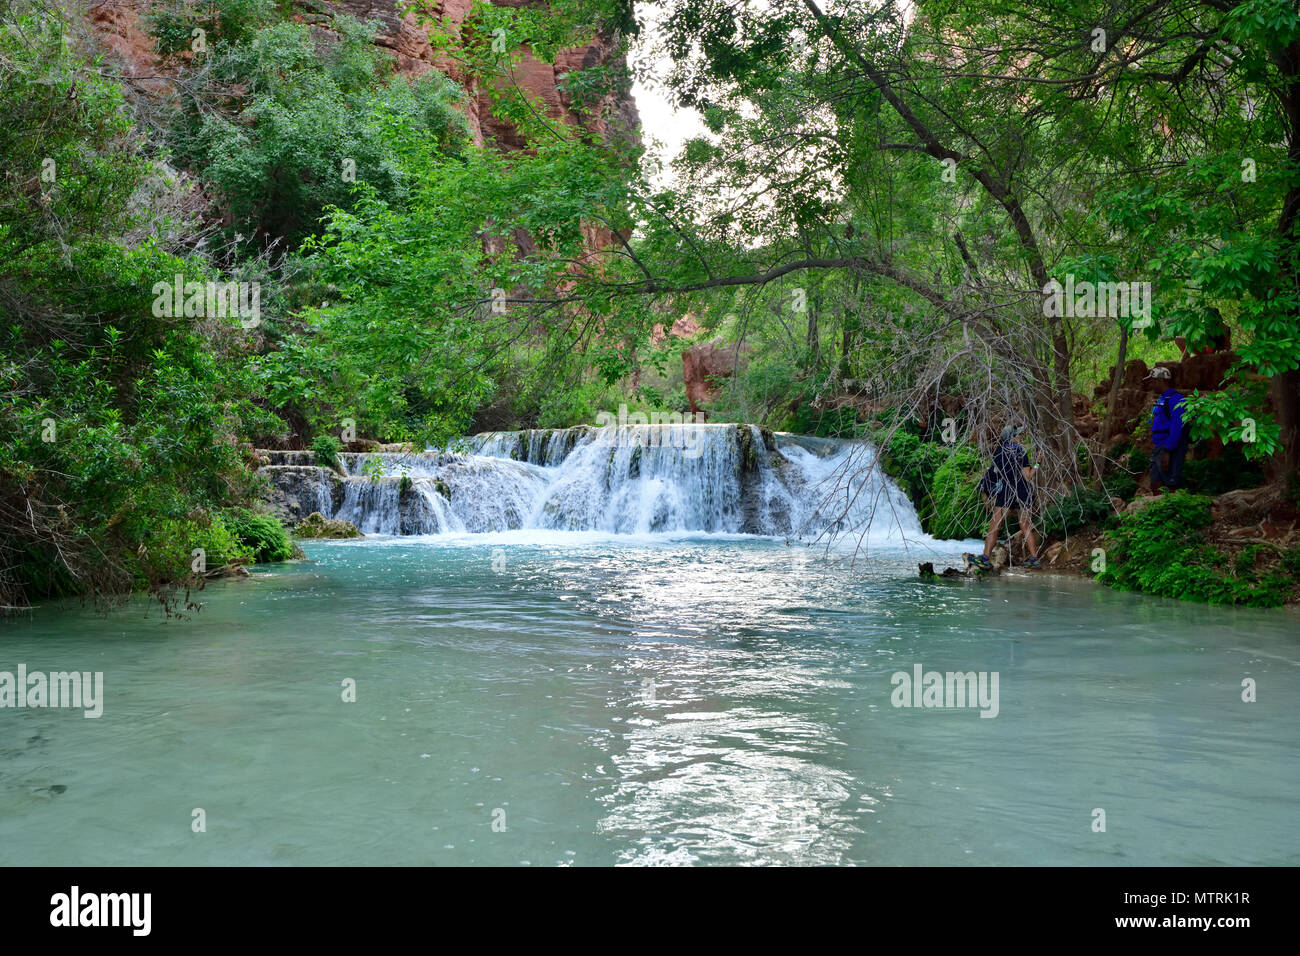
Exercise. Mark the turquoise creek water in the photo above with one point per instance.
(580, 698)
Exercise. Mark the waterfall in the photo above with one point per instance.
(626, 479)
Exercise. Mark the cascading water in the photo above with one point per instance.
(629, 479)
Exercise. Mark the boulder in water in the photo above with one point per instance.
(316, 525)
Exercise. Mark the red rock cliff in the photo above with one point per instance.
(118, 23)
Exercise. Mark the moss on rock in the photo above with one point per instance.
(958, 511)
(316, 525)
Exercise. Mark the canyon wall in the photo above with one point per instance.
(119, 26)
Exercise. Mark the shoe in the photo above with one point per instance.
(980, 561)
(1032, 563)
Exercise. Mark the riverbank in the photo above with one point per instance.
(1186, 546)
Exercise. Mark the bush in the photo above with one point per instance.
(839, 422)
(942, 482)
(262, 534)
(957, 509)
(327, 449)
(221, 543)
(1119, 485)
(119, 427)
(1161, 550)
(167, 552)
(1139, 462)
(1079, 508)
(311, 101)
(565, 407)
(912, 463)
(1214, 476)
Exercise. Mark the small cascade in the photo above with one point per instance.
(648, 478)
(537, 446)
(436, 492)
(626, 479)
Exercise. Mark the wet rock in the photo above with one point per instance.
(296, 490)
(749, 454)
(1054, 552)
(316, 525)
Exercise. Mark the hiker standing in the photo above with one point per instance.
(1009, 482)
(1167, 432)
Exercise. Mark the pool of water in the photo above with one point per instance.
(541, 698)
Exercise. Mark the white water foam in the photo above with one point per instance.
(636, 481)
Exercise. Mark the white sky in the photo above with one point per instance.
(664, 128)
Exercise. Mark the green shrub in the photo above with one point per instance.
(1139, 462)
(1119, 485)
(327, 449)
(309, 102)
(233, 21)
(262, 534)
(565, 407)
(168, 552)
(1214, 476)
(957, 509)
(841, 422)
(1161, 550)
(221, 542)
(912, 463)
(1079, 508)
(675, 399)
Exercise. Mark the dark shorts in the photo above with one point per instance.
(1013, 498)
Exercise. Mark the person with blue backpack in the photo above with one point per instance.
(1009, 483)
(1168, 433)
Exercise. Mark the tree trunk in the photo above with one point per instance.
(812, 329)
(1286, 405)
(1117, 379)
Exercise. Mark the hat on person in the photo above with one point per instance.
(1159, 372)
(1011, 431)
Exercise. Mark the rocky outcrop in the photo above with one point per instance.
(298, 487)
(409, 43)
(121, 28)
(316, 525)
(706, 366)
